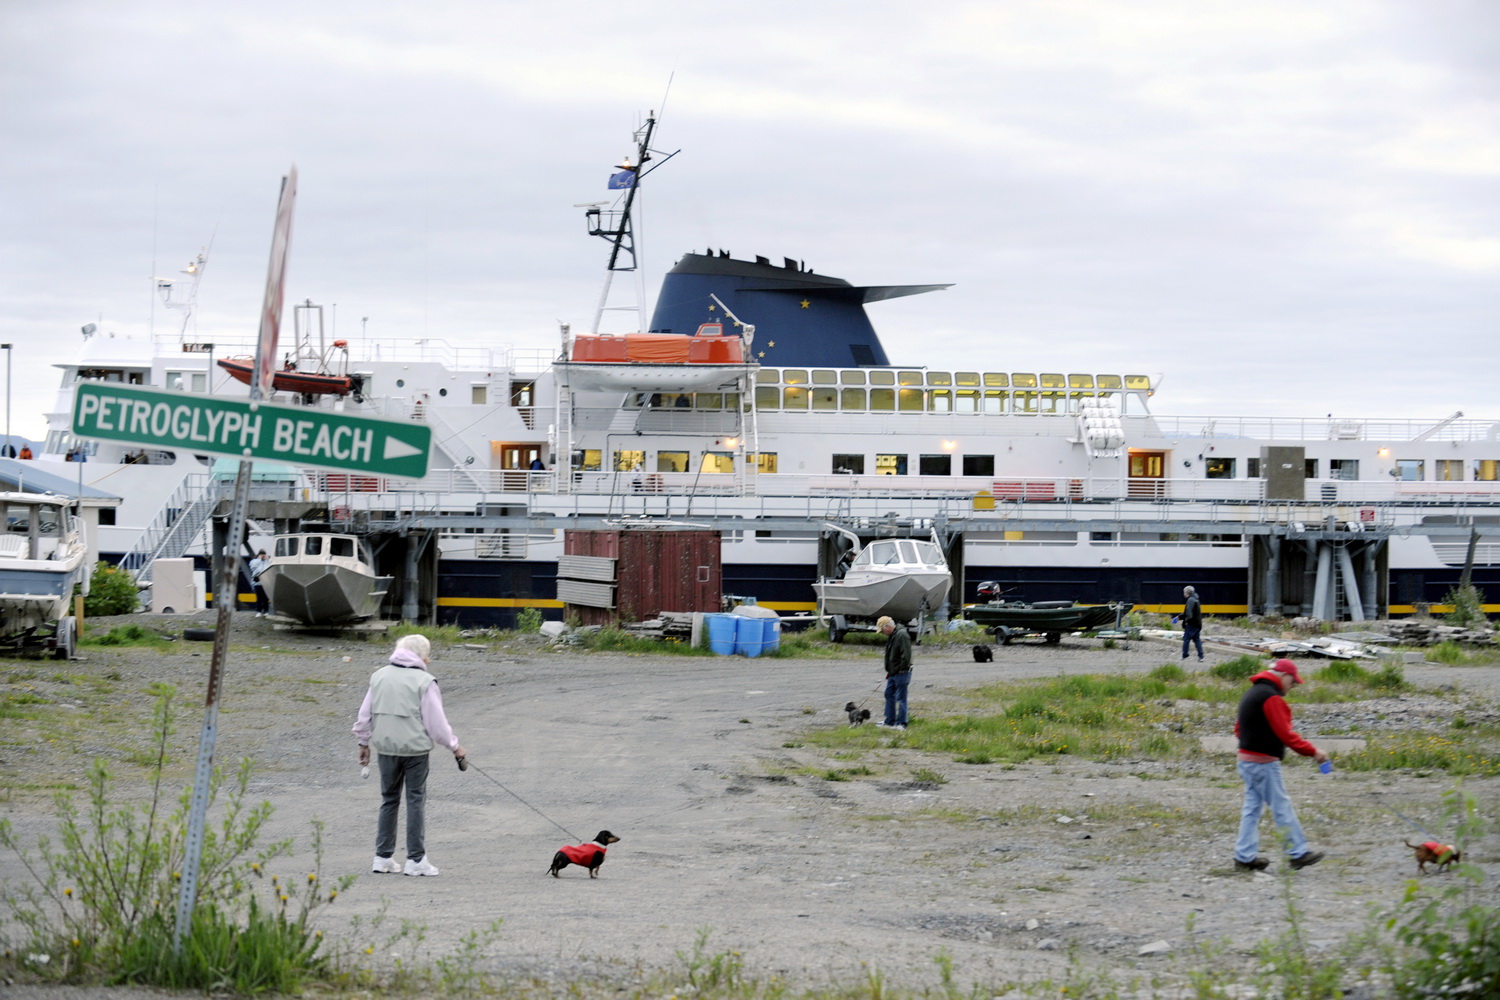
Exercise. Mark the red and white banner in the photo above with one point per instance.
(270, 311)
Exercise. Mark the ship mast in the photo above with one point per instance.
(616, 225)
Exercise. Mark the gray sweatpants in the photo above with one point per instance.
(395, 772)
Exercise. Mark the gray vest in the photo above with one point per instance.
(396, 711)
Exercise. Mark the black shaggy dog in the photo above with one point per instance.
(984, 654)
(589, 856)
(857, 716)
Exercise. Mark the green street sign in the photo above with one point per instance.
(237, 428)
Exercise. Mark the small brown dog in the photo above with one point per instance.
(589, 856)
(1431, 852)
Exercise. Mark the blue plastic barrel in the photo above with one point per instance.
(772, 636)
(749, 636)
(721, 633)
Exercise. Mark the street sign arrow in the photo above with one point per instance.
(237, 428)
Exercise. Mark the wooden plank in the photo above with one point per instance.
(587, 595)
(596, 568)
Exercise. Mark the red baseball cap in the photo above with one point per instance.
(1289, 668)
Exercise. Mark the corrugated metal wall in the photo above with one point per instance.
(655, 570)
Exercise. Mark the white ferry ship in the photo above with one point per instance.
(761, 402)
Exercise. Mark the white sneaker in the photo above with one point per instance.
(421, 867)
(385, 866)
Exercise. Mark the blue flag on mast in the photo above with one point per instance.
(623, 180)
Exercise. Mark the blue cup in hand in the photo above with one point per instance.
(1326, 767)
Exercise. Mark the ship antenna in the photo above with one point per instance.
(616, 226)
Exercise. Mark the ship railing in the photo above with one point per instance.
(427, 350)
(174, 528)
(1328, 429)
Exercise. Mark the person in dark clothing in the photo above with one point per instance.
(1264, 728)
(1192, 622)
(897, 672)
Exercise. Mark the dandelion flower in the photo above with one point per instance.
(311, 878)
(68, 892)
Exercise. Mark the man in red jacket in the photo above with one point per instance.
(1264, 728)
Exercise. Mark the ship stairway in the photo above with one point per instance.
(449, 443)
(176, 527)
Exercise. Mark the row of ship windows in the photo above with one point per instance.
(994, 380)
(1039, 401)
(1406, 470)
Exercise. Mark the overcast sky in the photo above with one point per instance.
(1281, 207)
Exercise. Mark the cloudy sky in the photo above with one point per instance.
(1281, 207)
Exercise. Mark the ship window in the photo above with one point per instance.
(671, 461)
(912, 400)
(1486, 470)
(768, 375)
(1450, 470)
(1109, 382)
(1346, 469)
(852, 399)
(1022, 380)
(523, 394)
(794, 399)
(717, 461)
(286, 547)
(731, 400)
(935, 465)
(825, 378)
(106, 516)
(794, 376)
(1138, 382)
(1410, 470)
(998, 379)
(1218, 468)
(341, 547)
(401, 383)
(765, 462)
(1252, 468)
(825, 399)
(979, 465)
(312, 545)
(883, 399)
(479, 395)
(1080, 381)
(995, 400)
(1310, 468)
(939, 378)
(767, 397)
(708, 400)
(1052, 380)
(908, 378)
(940, 401)
(853, 465)
(174, 380)
(890, 465)
(1052, 402)
(852, 378)
(965, 378)
(1023, 402)
(882, 378)
(633, 460)
(198, 382)
(588, 460)
(966, 401)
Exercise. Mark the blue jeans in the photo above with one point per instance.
(1193, 634)
(395, 772)
(1263, 787)
(895, 698)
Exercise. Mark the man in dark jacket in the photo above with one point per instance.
(1192, 622)
(897, 672)
(1264, 728)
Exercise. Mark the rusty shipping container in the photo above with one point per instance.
(628, 575)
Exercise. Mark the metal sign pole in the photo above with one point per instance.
(228, 584)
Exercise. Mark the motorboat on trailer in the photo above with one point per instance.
(905, 578)
(42, 562)
(1012, 619)
(324, 579)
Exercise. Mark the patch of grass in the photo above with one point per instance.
(618, 640)
(1471, 751)
(435, 633)
(928, 776)
(1454, 654)
(1241, 668)
(126, 635)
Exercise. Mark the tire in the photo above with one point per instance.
(1003, 634)
(66, 638)
(1054, 638)
(835, 634)
(199, 634)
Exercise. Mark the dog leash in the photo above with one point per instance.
(1414, 825)
(464, 763)
(872, 692)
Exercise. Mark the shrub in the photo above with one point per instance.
(1468, 607)
(1169, 672)
(1448, 652)
(1238, 669)
(112, 591)
(529, 620)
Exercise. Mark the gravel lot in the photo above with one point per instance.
(726, 822)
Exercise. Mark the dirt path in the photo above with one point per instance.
(727, 824)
